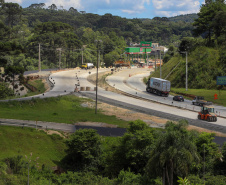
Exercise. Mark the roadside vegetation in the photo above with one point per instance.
(142, 156)
(66, 109)
(39, 87)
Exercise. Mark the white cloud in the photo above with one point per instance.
(123, 5)
(176, 5)
(66, 4)
(13, 1)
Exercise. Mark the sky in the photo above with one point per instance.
(124, 8)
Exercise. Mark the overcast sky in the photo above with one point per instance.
(124, 8)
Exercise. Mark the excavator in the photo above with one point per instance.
(207, 113)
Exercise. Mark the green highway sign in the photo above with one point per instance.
(145, 44)
(221, 80)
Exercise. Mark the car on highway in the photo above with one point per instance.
(178, 98)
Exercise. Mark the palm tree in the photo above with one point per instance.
(173, 153)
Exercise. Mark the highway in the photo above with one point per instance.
(128, 80)
(125, 80)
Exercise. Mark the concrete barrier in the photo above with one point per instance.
(82, 88)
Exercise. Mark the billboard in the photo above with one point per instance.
(221, 80)
(145, 44)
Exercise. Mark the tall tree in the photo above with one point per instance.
(173, 153)
(204, 24)
(83, 150)
(12, 71)
(13, 12)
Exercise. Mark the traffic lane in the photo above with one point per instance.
(118, 82)
(135, 81)
(159, 110)
(128, 103)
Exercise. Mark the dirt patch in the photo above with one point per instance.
(129, 115)
(191, 127)
(51, 132)
(96, 124)
(101, 81)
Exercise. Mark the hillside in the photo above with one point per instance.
(203, 68)
(189, 18)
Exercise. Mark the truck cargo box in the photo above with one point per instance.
(160, 84)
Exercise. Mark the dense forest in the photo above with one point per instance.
(62, 38)
(74, 33)
(206, 51)
(142, 155)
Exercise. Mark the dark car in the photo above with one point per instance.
(178, 98)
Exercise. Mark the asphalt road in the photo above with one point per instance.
(64, 82)
(132, 84)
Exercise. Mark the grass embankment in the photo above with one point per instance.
(208, 94)
(49, 149)
(39, 85)
(66, 109)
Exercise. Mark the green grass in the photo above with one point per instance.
(208, 94)
(65, 109)
(39, 85)
(14, 141)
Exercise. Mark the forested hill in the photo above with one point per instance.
(161, 30)
(185, 18)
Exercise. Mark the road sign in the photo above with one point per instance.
(145, 44)
(221, 80)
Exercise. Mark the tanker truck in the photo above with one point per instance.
(158, 86)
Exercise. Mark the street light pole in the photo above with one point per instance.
(160, 64)
(186, 80)
(98, 55)
(186, 70)
(39, 58)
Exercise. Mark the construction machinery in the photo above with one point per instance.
(122, 63)
(87, 66)
(207, 113)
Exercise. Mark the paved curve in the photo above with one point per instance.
(134, 85)
(65, 81)
(160, 110)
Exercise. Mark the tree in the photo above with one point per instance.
(173, 153)
(83, 150)
(13, 13)
(12, 71)
(5, 91)
(133, 150)
(204, 25)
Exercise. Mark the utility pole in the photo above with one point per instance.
(186, 80)
(98, 55)
(39, 58)
(160, 65)
(59, 49)
(82, 55)
(155, 60)
(186, 70)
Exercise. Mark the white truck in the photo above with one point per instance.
(87, 66)
(158, 86)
